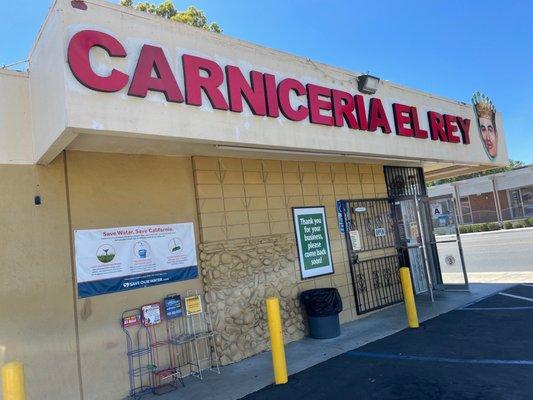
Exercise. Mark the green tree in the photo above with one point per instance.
(191, 16)
(513, 164)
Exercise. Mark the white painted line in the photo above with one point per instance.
(498, 231)
(407, 357)
(516, 297)
(494, 308)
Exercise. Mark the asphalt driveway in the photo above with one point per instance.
(480, 351)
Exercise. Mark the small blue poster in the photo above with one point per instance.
(173, 306)
(341, 210)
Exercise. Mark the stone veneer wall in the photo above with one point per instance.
(244, 205)
(238, 276)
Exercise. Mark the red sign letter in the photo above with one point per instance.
(316, 103)
(377, 117)
(239, 88)
(402, 116)
(464, 127)
(153, 59)
(343, 108)
(284, 90)
(419, 133)
(361, 112)
(436, 126)
(271, 95)
(78, 60)
(450, 124)
(194, 82)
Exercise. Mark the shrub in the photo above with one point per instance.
(508, 225)
(493, 226)
(476, 228)
(528, 222)
(485, 227)
(518, 224)
(465, 228)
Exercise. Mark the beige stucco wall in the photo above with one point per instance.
(48, 108)
(243, 198)
(108, 190)
(15, 118)
(234, 204)
(36, 298)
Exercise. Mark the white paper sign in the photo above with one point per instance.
(116, 259)
(356, 240)
(379, 232)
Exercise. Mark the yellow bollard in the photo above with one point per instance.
(13, 381)
(409, 298)
(276, 341)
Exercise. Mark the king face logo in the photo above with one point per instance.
(486, 120)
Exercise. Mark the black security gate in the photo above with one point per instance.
(371, 243)
(404, 181)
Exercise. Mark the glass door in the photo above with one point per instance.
(410, 244)
(443, 241)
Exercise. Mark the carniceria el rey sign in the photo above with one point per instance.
(227, 88)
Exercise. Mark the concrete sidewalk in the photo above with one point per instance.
(254, 373)
(490, 277)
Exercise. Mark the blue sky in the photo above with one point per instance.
(450, 48)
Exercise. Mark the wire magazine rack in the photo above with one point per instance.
(162, 350)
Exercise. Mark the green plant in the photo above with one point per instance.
(508, 225)
(493, 226)
(485, 227)
(465, 229)
(528, 222)
(105, 258)
(191, 16)
(476, 228)
(518, 224)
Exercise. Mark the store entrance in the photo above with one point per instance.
(383, 235)
(443, 241)
(429, 243)
(405, 229)
(410, 241)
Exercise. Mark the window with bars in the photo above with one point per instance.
(466, 210)
(404, 181)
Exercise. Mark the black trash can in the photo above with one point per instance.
(323, 307)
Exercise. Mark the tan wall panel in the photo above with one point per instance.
(256, 197)
(36, 303)
(15, 118)
(108, 190)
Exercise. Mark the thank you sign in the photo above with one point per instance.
(312, 239)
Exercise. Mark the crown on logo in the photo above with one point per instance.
(483, 105)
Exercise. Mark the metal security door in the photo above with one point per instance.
(371, 245)
(410, 241)
(443, 238)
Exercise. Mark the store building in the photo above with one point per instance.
(493, 198)
(129, 120)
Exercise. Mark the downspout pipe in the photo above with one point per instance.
(496, 200)
(457, 199)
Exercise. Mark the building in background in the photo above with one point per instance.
(491, 198)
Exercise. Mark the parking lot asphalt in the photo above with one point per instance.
(480, 351)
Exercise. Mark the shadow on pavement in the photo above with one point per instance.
(483, 351)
